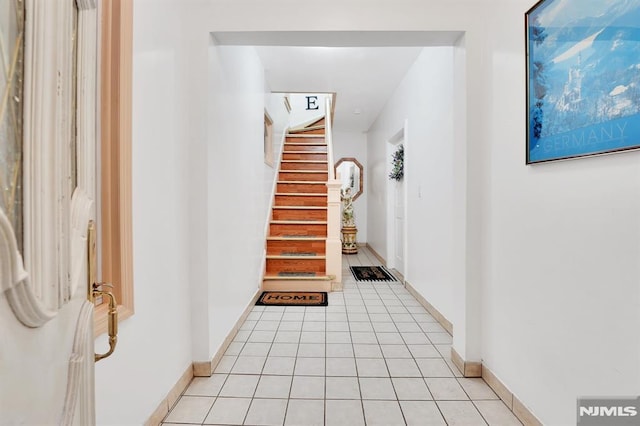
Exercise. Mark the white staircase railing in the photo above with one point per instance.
(334, 244)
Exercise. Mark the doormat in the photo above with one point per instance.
(371, 273)
(293, 298)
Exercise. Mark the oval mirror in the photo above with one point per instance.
(351, 173)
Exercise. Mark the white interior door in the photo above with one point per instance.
(398, 221)
(47, 162)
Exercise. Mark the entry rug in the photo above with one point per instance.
(293, 298)
(371, 273)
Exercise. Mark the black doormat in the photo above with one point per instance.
(371, 273)
(293, 298)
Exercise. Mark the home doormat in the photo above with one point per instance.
(293, 298)
(371, 273)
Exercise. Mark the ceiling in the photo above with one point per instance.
(363, 78)
(362, 68)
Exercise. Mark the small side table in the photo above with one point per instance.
(349, 245)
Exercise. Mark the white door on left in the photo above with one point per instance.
(48, 66)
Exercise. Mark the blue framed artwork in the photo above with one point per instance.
(583, 78)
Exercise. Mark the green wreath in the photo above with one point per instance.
(397, 160)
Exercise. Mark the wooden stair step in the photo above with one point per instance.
(304, 138)
(317, 282)
(306, 143)
(301, 208)
(296, 257)
(303, 165)
(318, 131)
(305, 147)
(298, 222)
(315, 130)
(292, 229)
(315, 277)
(304, 246)
(301, 186)
(302, 182)
(303, 175)
(304, 155)
(297, 238)
(297, 199)
(306, 213)
(292, 265)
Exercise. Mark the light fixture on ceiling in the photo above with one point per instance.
(357, 111)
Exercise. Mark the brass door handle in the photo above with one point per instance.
(95, 290)
(112, 315)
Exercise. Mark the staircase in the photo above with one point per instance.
(297, 240)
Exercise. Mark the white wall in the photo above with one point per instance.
(154, 346)
(354, 144)
(561, 294)
(424, 101)
(300, 115)
(519, 222)
(274, 104)
(201, 191)
(239, 185)
(548, 297)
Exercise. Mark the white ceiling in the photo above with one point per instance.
(362, 68)
(363, 78)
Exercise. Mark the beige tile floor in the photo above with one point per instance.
(374, 356)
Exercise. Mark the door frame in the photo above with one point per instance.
(401, 136)
(115, 231)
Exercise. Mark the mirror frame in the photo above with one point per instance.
(357, 163)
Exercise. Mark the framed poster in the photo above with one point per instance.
(583, 78)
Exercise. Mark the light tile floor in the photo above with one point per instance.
(374, 356)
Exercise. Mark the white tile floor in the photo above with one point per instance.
(374, 356)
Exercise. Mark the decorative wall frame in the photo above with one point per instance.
(583, 78)
(351, 174)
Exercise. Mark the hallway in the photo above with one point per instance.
(374, 356)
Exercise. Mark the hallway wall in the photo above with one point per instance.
(549, 271)
(561, 299)
(424, 98)
(239, 185)
(515, 288)
(154, 346)
(354, 144)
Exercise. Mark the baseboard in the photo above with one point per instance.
(375, 253)
(398, 275)
(206, 368)
(511, 401)
(445, 323)
(467, 368)
(474, 368)
(172, 397)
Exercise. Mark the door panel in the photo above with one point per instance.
(46, 337)
(399, 226)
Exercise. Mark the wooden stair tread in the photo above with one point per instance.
(304, 171)
(307, 143)
(304, 152)
(297, 135)
(305, 161)
(304, 182)
(297, 257)
(301, 194)
(299, 222)
(304, 278)
(296, 238)
(306, 129)
(301, 207)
